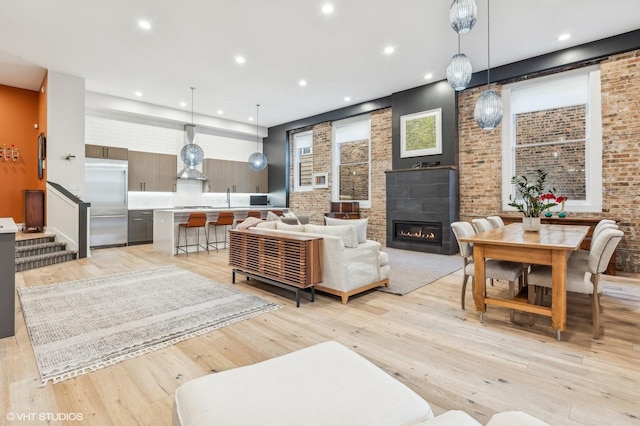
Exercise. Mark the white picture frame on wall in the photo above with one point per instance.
(421, 133)
(321, 180)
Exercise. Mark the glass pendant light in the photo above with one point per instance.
(463, 15)
(459, 70)
(488, 111)
(257, 160)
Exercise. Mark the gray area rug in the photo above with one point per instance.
(81, 326)
(411, 270)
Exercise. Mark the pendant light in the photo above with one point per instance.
(459, 70)
(488, 111)
(257, 160)
(463, 15)
(191, 154)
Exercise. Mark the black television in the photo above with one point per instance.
(258, 200)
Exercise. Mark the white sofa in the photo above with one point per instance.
(351, 264)
(324, 384)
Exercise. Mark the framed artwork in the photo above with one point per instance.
(321, 180)
(421, 133)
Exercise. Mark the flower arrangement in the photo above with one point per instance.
(535, 197)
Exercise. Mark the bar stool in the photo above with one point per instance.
(277, 212)
(251, 213)
(196, 220)
(224, 219)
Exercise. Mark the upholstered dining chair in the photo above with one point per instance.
(494, 269)
(581, 280)
(225, 218)
(196, 220)
(579, 258)
(481, 225)
(496, 221)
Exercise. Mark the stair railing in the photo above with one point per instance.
(67, 216)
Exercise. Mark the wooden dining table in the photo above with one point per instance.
(552, 246)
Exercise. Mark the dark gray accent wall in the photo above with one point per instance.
(427, 98)
(7, 284)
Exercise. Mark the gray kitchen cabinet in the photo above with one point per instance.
(237, 176)
(100, 151)
(140, 228)
(152, 172)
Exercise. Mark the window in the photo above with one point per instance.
(553, 123)
(303, 161)
(352, 160)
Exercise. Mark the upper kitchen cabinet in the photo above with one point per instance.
(236, 176)
(152, 172)
(99, 151)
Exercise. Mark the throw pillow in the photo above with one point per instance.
(291, 215)
(271, 216)
(248, 223)
(346, 232)
(281, 226)
(359, 224)
(267, 224)
(289, 220)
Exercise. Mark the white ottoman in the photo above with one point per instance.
(325, 384)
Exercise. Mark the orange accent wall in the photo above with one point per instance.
(19, 111)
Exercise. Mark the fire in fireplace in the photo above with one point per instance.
(419, 232)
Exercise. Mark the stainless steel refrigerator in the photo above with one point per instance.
(106, 188)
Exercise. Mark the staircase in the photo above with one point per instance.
(41, 251)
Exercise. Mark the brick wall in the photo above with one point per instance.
(481, 156)
(318, 201)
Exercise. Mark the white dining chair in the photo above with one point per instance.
(481, 225)
(580, 280)
(494, 269)
(496, 221)
(579, 258)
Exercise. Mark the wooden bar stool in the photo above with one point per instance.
(196, 220)
(225, 219)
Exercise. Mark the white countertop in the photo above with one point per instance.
(7, 226)
(218, 209)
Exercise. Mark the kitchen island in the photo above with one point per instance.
(166, 221)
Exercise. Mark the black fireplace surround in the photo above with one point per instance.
(425, 200)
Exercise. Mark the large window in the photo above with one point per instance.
(352, 160)
(554, 124)
(303, 161)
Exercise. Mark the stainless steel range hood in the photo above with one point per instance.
(192, 155)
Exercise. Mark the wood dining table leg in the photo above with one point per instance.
(479, 279)
(559, 291)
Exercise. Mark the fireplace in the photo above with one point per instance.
(418, 232)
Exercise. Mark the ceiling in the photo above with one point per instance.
(195, 43)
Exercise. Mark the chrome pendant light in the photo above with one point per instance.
(488, 111)
(257, 160)
(459, 70)
(191, 154)
(463, 15)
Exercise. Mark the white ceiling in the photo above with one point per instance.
(194, 43)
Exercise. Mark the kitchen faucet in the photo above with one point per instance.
(228, 199)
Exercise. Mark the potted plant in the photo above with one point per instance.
(533, 199)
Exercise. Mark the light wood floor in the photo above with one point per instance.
(423, 339)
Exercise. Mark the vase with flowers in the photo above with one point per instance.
(533, 199)
(561, 200)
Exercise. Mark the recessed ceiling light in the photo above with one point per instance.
(389, 50)
(347, 99)
(138, 94)
(220, 112)
(327, 8)
(428, 76)
(144, 24)
(250, 118)
(564, 37)
(183, 104)
(302, 82)
(240, 59)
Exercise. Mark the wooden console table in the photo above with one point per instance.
(288, 261)
(583, 221)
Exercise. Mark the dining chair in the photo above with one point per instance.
(494, 269)
(580, 280)
(579, 258)
(481, 225)
(496, 221)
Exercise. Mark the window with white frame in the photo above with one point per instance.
(352, 160)
(554, 124)
(303, 161)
